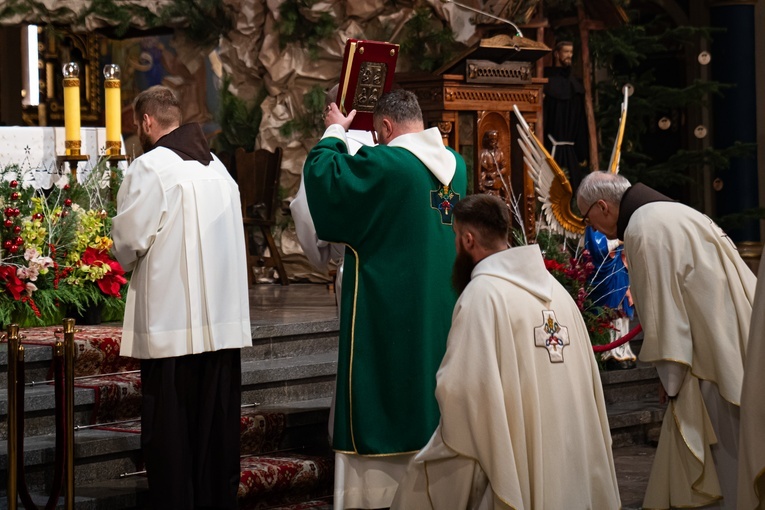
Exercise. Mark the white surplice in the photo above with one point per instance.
(188, 292)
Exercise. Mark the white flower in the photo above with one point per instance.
(30, 254)
(31, 287)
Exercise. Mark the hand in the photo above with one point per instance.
(332, 115)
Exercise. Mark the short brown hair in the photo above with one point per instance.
(159, 102)
(487, 215)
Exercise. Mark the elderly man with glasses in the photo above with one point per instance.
(693, 294)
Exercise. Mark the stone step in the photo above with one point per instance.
(269, 341)
(289, 379)
(636, 422)
(633, 384)
(102, 455)
(271, 381)
(37, 359)
(317, 341)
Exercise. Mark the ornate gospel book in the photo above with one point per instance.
(368, 69)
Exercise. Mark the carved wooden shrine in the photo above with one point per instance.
(471, 101)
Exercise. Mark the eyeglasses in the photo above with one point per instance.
(586, 217)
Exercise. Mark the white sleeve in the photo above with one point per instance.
(317, 251)
(141, 207)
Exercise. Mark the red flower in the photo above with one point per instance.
(553, 265)
(113, 280)
(11, 281)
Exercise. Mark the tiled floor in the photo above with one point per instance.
(633, 465)
(273, 304)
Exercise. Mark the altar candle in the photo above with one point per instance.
(72, 108)
(113, 105)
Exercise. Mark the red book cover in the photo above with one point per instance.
(368, 69)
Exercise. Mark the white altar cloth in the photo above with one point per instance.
(34, 150)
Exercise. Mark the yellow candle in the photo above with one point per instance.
(72, 108)
(113, 104)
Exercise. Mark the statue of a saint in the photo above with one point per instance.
(495, 175)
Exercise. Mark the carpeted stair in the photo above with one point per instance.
(286, 462)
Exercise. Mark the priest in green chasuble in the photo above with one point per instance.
(391, 205)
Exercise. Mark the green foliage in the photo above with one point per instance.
(298, 23)
(121, 14)
(239, 121)
(573, 269)
(311, 122)
(202, 21)
(427, 41)
(54, 252)
(738, 220)
(625, 53)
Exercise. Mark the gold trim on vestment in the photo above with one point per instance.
(353, 339)
(703, 464)
(479, 464)
(350, 372)
(755, 484)
(690, 370)
(427, 484)
(412, 452)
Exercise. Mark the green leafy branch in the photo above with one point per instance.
(427, 41)
(239, 121)
(311, 121)
(298, 23)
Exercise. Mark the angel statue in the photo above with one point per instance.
(609, 283)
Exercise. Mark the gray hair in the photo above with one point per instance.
(602, 186)
(400, 106)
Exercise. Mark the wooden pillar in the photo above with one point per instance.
(10, 76)
(584, 34)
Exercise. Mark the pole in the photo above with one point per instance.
(69, 410)
(15, 355)
(584, 34)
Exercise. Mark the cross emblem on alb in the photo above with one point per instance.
(552, 336)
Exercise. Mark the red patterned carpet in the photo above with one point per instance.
(269, 480)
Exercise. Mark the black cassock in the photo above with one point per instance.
(566, 121)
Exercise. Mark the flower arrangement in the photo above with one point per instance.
(54, 248)
(574, 270)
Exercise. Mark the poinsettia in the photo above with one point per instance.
(54, 247)
(113, 277)
(11, 281)
(573, 269)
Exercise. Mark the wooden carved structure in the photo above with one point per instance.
(471, 100)
(55, 48)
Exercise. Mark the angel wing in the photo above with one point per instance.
(616, 153)
(550, 182)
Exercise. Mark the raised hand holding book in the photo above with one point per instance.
(367, 73)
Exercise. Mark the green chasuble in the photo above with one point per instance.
(394, 216)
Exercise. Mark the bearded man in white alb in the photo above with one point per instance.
(179, 229)
(523, 420)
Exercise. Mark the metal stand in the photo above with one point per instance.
(72, 159)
